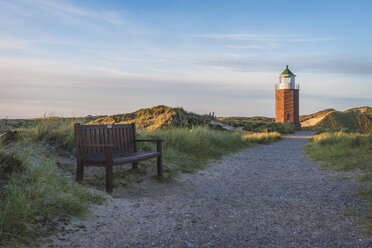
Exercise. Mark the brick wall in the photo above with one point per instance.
(287, 106)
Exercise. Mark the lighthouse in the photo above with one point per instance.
(287, 98)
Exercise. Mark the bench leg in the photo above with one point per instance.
(79, 171)
(159, 166)
(109, 173)
(159, 159)
(134, 165)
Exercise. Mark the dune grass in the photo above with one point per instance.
(261, 126)
(52, 130)
(187, 150)
(34, 197)
(342, 151)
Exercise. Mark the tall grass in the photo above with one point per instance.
(189, 149)
(52, 130)
(261, 126)
(346, 151)
(342, 151)
(32, 198)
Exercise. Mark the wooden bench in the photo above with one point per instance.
(109, 145)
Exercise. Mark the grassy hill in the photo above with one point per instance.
(361, 110)
(157, 117)
(354, 119)
(163, 116)
(312, 119)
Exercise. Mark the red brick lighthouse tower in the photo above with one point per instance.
(287, 99)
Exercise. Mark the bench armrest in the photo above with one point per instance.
(97, 146)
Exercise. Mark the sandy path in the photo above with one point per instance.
(266, 196)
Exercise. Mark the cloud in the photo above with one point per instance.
(244, 37)
(340, 64)
(245, 47)
(264, 37)
(107, 16)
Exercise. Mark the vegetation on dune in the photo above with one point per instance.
(246, 119)
(342, 151)
(18, 123)
(346, 151)
(261, 126)
(157, 117)
(364, 110)
(355, 119)
(189, 149)
(34, 197)
(55, 131)
(351, 120)
(318, 114)
(32, 122)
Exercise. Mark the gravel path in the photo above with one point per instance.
(266, 196)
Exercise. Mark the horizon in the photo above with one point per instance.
(104, 58)
(46, 115)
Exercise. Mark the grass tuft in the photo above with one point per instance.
(187, 150)
(52, 130)
(261, 126)
(9, 163)
(342, 151)
(33, 198)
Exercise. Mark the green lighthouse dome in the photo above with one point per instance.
(287, 73)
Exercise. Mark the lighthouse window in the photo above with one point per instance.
(288, 115)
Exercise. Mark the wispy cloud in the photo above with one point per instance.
(340, 64)
(263, 37)
(245, 46)
(107, 16)
(246, 37)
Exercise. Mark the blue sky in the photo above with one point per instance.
(106, 57)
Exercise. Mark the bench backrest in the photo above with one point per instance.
(123, 136)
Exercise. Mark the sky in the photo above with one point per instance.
(60, 57)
